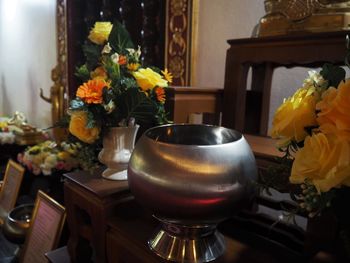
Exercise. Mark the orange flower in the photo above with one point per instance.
(91, 91)
(160, 94)
(122, 60)
(99, 72)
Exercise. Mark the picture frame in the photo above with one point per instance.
(10, 187)
(43, 235)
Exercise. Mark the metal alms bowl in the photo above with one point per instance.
(191, 177)
(17, 223)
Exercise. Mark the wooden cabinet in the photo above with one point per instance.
(90, 200)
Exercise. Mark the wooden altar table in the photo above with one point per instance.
(90, 200)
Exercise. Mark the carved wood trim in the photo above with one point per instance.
(61, 23)
(180, 26)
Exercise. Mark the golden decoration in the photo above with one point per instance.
(59, 73)
(178, 38)
(288, 16)
(178, 7)
(177, 68)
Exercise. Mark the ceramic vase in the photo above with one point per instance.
(118, 145)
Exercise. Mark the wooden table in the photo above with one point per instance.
(90, 200)
(107, 225)
(130, 229)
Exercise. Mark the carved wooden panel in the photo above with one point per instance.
(180, 25)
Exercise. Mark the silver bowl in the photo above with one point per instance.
(191, 177)
(17, 223)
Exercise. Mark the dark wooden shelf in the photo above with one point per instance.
(130, 229)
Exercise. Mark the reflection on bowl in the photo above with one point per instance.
(191, 177)
(191, 174)
(17, 223)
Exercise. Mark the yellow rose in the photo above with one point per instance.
(148, 79)
(77, 127)
(334, 110)
(3, 124)
(296, 113)
(100, 32)
(324, 161)
(63, 155)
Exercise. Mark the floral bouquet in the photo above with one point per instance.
(313, 130)
(116, 90)
(49, 157)
(6, 135)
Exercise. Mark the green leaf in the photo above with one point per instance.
(83, 73)
(90, 120)
(135, 104)
(128, 83)
(119, 38)
(334, 74)
(92, 54)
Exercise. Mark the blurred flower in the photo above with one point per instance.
(48, 157)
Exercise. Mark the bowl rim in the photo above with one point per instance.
(239, 135)
(16, 208)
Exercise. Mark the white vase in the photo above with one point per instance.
(118, 145)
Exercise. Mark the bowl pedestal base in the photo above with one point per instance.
(187, 244)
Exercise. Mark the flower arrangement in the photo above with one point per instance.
(48, 157)
(115, 88)
(6, 134)
(312, 128)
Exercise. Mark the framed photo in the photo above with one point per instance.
(10, 186)
(45, 229)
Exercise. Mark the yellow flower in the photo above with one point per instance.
(334, 110)
(296, 113)
(147, 79)
(167, 75)
(63, 155)
(324, 161)
(3, 124)
(133, 66)
(77, 127)
(100, 32)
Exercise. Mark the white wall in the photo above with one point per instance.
(220, 20)
(27, 55)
